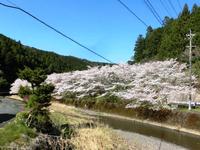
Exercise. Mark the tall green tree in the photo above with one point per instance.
(139, 49)
(39, 100)
(153, 41)
(195, 9)
(14, 56)
(35, 77)
(3, 82)
(170, 41)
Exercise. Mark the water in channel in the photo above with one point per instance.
(186, 140)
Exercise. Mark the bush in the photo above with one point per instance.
(108, 98)
(69, 95)
(13, 130)
(40, 120)
(31, 101)
(156, 115)
(61, 123)
(21, 117)
(3, 82)
(193, 120)
(40, 97)
(24, 91)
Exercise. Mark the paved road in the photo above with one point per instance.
(8, 109)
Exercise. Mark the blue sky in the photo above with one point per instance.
(102, 25)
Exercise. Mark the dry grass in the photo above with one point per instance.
(73, 116)
(97, 138)
(100, 138)
(15, 97)
(92, 139)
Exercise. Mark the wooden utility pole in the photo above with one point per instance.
(190, 37)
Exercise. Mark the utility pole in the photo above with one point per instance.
(190, 37)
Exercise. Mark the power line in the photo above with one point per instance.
(11, 3)
(153, 11)
(165, 7)
(170, 3)
(125, 6)
(56, 30)
(179, 4)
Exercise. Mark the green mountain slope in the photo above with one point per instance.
(169, 41)
(15, 56)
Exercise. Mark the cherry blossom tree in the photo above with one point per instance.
(159, 81)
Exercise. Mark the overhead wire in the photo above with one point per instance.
(153, 11)
(165, 7)
(134, 14)
(179, 4)
(57, 31)
(170, 3)
(11, 3)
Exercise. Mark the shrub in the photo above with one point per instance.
(21, 117)
(108, 98)
(13, 130)
(193, 120)
(24, 91)
(156, 115)
(41, 121)
(31, 101)
(69, 95)
(40, 97)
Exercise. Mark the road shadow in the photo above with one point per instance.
(6, 117)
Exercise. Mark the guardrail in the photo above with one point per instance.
(185, 103)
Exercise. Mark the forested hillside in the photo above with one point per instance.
(15, 56)
(170, 41)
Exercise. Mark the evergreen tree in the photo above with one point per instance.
(153, 42)
(39, 100)
(14, 56)
(169, 41)
(194, 9)
(35, 77)
(139, 48)
(195, 24)
(185, 12)
(3, 82)
(167, 20)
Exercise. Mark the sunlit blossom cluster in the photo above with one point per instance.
(16, 85)
(159, 81)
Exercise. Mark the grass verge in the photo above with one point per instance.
(88, 134)
(180, 117)
(14, 130)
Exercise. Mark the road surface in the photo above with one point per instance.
(8, 109)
